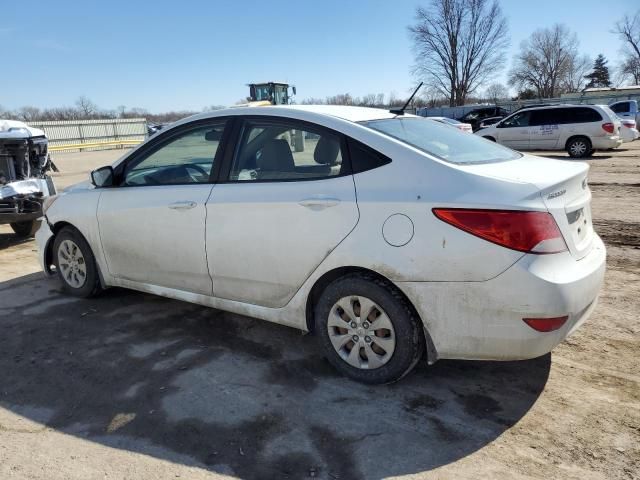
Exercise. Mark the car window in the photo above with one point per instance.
(364, 158)
(520, 119)
(621, 107)
(543, 117)
(581, 115)
(185, 158)
(286, 151)
(442, 141)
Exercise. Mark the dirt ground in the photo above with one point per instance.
(131, 386)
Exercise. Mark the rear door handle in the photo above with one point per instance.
(182, 205)
(319, 203)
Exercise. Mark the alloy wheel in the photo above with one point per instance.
(73, 267)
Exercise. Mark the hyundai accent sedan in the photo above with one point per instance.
(390, 237)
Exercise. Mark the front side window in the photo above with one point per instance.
(543, 117)
(282, 151)
(442, 141)
(185, 158)
(517, 120)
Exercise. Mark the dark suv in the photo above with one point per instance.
(475, 116)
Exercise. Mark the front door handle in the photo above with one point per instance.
(182, 205)
(319, 203)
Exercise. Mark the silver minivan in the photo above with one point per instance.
(578, 129)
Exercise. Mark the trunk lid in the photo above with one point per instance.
(564, 191)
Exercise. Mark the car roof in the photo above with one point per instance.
(311, 112)
(559, 105)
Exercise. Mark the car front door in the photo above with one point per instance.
(513, 131)
(288, 201)
(152, 224)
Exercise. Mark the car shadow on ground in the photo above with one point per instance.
(11, 239)
(235, 395)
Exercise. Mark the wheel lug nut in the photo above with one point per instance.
(367, 339)
(365, 325)
(353, 325)
(355, 338)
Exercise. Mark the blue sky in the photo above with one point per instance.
(163, 55)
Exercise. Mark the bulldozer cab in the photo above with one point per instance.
(276, 93)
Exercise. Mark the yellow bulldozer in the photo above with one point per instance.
(271, 93)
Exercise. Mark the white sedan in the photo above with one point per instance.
(391, 237)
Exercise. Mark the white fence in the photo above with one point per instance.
(88, 135)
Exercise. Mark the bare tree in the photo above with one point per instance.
(340, 99)
(86, 107)
(628, 29)
(630, 69)
(496, 91)
(458, 45)
(547, 62)
(28, 114)
(574, 79)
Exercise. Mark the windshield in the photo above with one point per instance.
(441, 141)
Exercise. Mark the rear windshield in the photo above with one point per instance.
(442, 141)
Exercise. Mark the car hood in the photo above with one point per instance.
(79, 187)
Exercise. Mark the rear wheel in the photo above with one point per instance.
(75, 264)
(579, 147)
(368, 331)
(25, 229)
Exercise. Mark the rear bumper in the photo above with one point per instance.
(483, 320)
(605, 143)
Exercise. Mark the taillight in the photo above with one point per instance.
(629, 123)
(546, 324)
(608, 127)
(530, 232)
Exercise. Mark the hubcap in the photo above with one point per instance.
(361, 332)
(72, 265)
(578, 148)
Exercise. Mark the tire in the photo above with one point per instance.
(384, 355)
(25, 229)
(75, 264)
(579, 147)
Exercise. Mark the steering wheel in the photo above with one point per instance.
(197, 168)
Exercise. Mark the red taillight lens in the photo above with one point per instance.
(608, 127)
(531, 232)
(546, 324)
(629, 123)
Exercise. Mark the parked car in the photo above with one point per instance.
(474, 117)
(388, 236)
(464, 127)
(627, 109)
(24, 183)
(489, 121)
(628, 130)
(578, 129)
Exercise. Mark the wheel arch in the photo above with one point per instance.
(323, 282)
(48, 255)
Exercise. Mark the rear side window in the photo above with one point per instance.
(622, 107)
(282, 151)
(364, 158)
(581, 115)
(543, 117)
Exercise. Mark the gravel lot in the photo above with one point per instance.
(134, 386)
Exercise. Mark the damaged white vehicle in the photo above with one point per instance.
(390, 236)
(24, 183)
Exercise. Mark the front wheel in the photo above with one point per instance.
(25, 229)
(579, 147)
(367, 329)
(75, 264)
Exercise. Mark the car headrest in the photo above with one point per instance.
(326, 152)
(276, 157)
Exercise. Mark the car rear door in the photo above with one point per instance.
(287, 200)
(152, 225)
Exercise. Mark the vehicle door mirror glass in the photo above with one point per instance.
(102, 177)
(294, 90)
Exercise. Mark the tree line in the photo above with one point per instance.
(460, 44)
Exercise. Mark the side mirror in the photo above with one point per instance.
(102, 177)
(293, 88)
